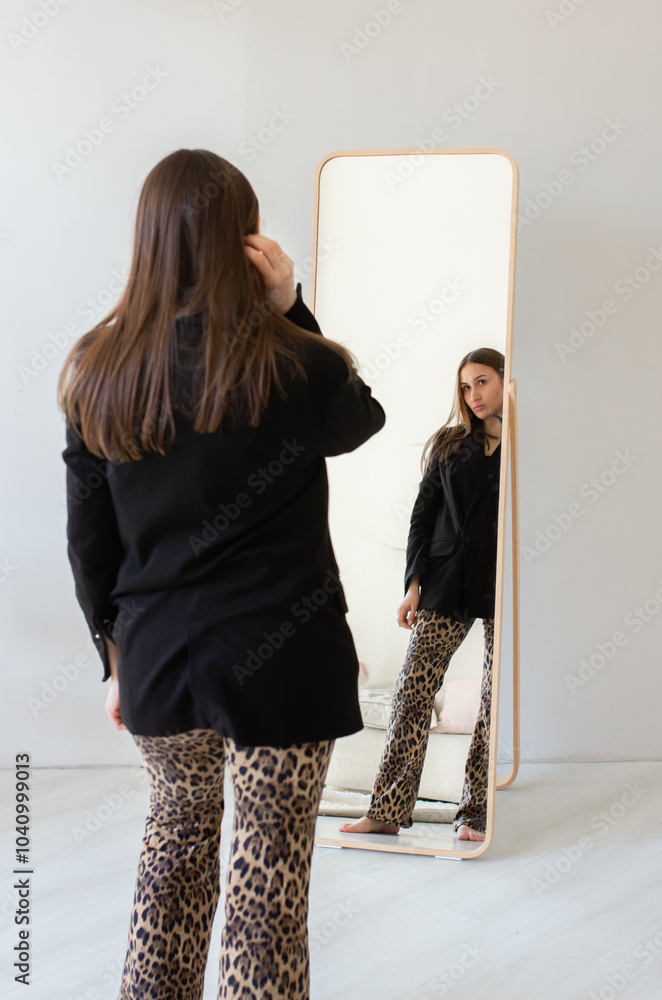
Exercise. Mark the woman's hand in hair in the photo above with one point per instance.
(275, 268)
(408, 608)
(113, 698)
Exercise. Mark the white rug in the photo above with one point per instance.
(340, 802)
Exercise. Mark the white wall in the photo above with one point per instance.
(227, 73)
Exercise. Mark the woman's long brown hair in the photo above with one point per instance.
(116, 386)
(462, 421)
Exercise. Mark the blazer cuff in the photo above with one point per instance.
(300, 314)
(418, 564)
(100, 631)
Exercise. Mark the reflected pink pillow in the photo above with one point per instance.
(460, 704)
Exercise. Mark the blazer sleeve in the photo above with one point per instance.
(94, 547)
(301, 315)
(421, 526)
(351, 414)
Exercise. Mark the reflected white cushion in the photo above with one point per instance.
(376, 707)
(355, 762)
(459, 707)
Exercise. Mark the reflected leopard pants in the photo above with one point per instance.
(433, 641)
(264, 944)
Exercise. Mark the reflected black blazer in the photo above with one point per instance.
(453, 532)
(212, 567)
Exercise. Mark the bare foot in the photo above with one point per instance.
(366, 825)
(465, 832)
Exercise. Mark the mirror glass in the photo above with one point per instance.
(413, 257)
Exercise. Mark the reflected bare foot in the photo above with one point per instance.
(465, 832)
(367, 825)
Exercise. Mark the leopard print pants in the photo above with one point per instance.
(264, 944)
(433, 641)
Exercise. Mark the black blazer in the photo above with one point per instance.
(453, 532)
(212, 567)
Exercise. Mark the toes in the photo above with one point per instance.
(467, 833)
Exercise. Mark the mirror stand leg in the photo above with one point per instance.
(512, 431)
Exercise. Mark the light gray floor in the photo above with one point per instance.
(565, 905)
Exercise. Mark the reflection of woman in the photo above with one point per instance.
(451, 553)
(198, 414)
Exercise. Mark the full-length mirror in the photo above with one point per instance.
(414, 262)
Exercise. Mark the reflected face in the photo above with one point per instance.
(482, 390)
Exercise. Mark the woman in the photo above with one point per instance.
(199, 414)
(451, 556)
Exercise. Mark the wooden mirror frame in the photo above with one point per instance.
(508, 459)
